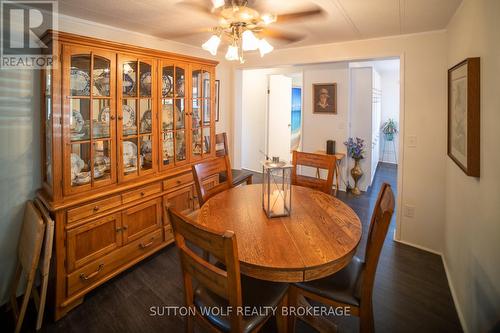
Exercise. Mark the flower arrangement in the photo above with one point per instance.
(389, 128)
(355, 147)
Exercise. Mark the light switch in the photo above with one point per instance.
(409, 211)
(412, 141)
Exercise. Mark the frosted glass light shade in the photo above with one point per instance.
(232, 53)
(265, 47)
(212, 44)
(250, 42)
(217, 3)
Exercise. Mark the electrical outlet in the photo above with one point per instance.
(412, 141)
(409, 211)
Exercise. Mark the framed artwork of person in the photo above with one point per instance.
(325, 98)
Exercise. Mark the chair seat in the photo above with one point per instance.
(255, 293)
(342, 286)
(239, 176)
(193, 215)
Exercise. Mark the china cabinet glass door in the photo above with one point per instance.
(89, 114)
(136, 117)
(201, 113)
(174, 126)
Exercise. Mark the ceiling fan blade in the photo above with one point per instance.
(275, 34)
(299, 15)
(188, 33)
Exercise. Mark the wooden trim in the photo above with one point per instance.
(93, 42)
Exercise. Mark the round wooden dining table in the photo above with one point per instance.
(318, 238)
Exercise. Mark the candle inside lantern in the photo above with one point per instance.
(276, 188)
(277, 202)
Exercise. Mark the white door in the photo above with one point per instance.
(279, 117)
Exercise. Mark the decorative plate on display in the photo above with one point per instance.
(168, 149)
(101, 165)
(128, 84)
(166, 85)
(79, 82)
(146, 150)
(128, 116)
(77, 165)
(101, 84)
(146, 122)
(129, 154)
(180, 87)
(146, 84)
(82, 178)
(77, 122)
(168, 117)
(104, 115)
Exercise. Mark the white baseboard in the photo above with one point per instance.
(448, 278)
(455, 298)
(423, 248)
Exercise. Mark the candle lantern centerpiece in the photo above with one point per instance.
(277, 188)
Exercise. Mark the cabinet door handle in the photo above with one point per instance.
(92, 275)
(112, 117)
(143, 246)
(143, 194)
(96, 208)
(120, 117)
(120, 229)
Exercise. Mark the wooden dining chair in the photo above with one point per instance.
(222, 149)
(221, 285)
(28, 255)
(318, 161)
(353, 285)
(208, 169)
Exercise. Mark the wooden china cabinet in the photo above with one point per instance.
(121, 127)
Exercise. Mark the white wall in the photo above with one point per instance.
(19, 159)
(20, 122)
(390, 110)
(472, 204)
(316, 128)
(424, 84)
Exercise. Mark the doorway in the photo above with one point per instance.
(271, 111)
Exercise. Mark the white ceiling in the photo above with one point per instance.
(344, 20)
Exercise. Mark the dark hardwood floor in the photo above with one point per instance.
(411, 292)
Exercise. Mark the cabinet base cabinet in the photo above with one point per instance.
(97, 244)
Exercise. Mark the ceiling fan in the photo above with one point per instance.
(245, 25)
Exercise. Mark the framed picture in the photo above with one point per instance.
(325, 98)
(463, 115)
(217, 92)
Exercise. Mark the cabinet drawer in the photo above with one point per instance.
(174, 182)
(98, 271)
(90, 209)
(141, 193)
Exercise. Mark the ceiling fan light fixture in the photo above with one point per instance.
(265, 47)
(268, 18)
(232, 53)
(250, 42)
(218, 3)
(212, 44)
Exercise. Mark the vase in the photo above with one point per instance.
(389, 136)
(356, 174)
